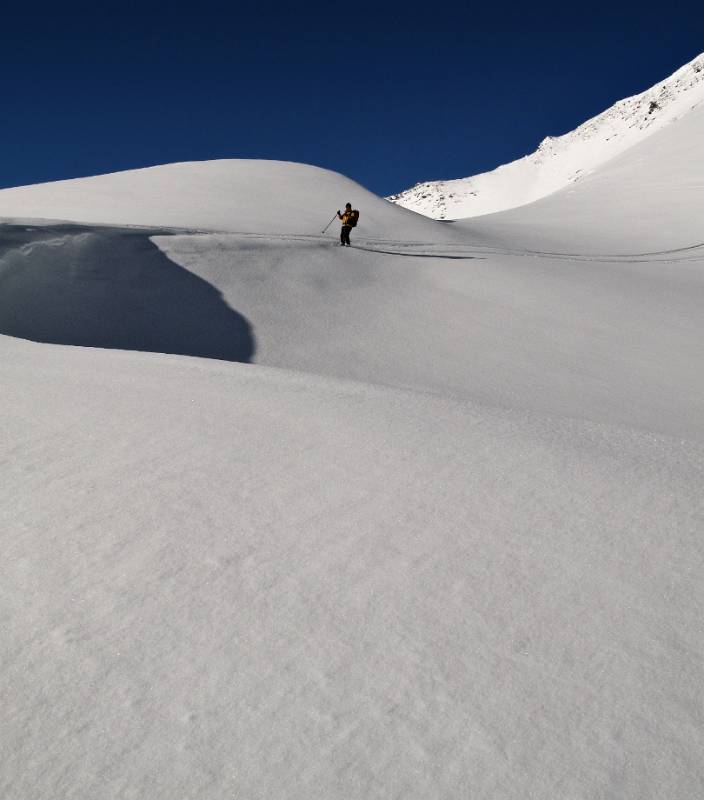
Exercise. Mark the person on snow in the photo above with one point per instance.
(349, 220)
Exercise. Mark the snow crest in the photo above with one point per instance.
(562, 160)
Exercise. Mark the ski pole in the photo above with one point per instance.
(329, 224)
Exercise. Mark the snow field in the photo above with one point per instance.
(227, 580)
(592, 340)
(646, 201)
(230, 195)
(442, 538)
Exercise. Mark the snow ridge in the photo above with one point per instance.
(562, 160)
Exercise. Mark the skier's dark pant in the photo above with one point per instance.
(345, 234)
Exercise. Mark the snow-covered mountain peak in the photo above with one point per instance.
(561, 160)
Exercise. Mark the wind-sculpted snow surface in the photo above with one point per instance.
(235, 195)
(221, 580)
(106, 287)
(562, 161)
(443, 538)
(601, 340)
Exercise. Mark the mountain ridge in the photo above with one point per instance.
(562, 160)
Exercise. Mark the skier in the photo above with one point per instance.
(349, 220)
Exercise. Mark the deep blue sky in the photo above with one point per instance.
(389, 94)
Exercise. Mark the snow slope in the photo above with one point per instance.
(556, 335)
(424, 523)
(228, 195)
(597, 340)
(222, 580)
(649, 200)
(566, 160)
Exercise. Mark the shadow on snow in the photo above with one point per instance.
(112, 288)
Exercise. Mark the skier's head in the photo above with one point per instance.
(348, 205)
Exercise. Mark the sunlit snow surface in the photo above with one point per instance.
(223, 580)
(567, 160)
(426, 522)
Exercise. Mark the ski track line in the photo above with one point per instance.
(473, 251)
(461, 252)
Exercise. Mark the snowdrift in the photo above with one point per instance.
(229, 195)
(112, 288)
(593, 340)
(222, 580)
